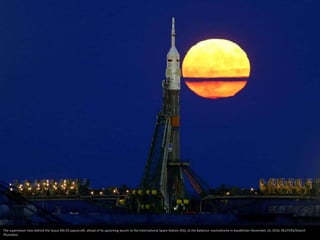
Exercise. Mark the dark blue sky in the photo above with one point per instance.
(80, 88)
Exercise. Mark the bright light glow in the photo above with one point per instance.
(216, 68)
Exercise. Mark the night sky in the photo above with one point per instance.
(80, 88)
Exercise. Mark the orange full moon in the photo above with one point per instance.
(216, 68)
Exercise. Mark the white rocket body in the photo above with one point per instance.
(173, 71)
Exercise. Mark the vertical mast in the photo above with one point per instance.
(173, 34)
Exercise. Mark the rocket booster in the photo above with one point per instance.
(173, 71)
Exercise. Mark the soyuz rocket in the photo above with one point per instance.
(163, 172)
(171, 109)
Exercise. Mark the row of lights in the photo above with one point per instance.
(64, 186)
(288, 185)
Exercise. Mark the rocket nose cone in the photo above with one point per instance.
(173, 52)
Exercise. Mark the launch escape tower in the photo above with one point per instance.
(163, 177)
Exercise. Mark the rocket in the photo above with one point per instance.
(171, 109)
(164, 168)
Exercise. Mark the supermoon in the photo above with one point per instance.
(216, 68)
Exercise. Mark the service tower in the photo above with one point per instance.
(163, 174)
